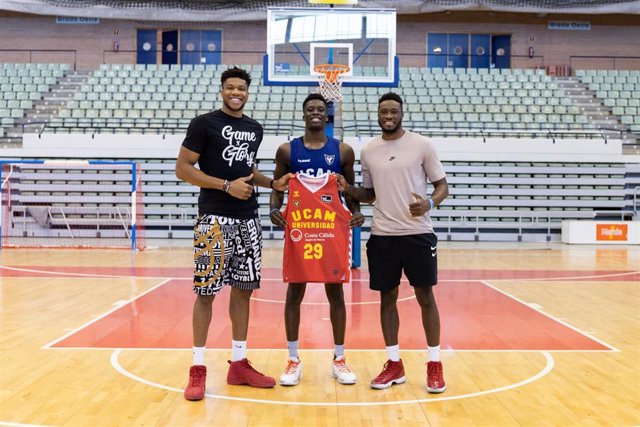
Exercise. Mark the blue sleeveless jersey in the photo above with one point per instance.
(315, 162)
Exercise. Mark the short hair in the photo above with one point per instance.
(390, 96)
(235, 72)
(313, 96)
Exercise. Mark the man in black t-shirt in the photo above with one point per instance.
(227, 234)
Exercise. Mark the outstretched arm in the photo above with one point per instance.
(277, 197)
(261, 180)
(348, 159)
(361, 194)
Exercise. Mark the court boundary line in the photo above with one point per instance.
(103, 315)
(550, 364)
(14, 424)
(555, 319)
(284, 349)
(269, 279)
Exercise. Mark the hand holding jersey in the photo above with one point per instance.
(281, 184)
(277, 219)
(357, 219)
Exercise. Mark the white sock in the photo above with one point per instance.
(338, 351)
(293, 350)
(198, 355)
(434, 353)
(238, 350)
(393, 351)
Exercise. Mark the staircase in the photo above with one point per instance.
(599, 115)
(35, 119)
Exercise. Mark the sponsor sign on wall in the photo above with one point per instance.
(611, 232)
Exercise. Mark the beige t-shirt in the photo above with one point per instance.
(395, 169)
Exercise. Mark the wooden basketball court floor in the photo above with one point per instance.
(532, 334)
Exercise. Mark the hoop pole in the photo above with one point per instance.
(1, 217)
(356, 258)
(134, 202)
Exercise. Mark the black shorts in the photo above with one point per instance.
(389, 256)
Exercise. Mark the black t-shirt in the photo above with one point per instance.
(227, 146)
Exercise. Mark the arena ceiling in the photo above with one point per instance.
(239, 10)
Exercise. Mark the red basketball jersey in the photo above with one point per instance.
(317, 243)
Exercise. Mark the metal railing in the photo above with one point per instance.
(31, 56)
(487, 133)
(128, 56)
(608, 62)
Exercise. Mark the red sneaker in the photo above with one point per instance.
(242, 373)
(435, 378)
(197, 379)
(392, 373)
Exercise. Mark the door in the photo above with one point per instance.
(201, 47)
(146, 47)
(501, 51)
(211, 47)
(437, 50)
(190, 47)
(170, 47)
(480, 56)
(458, 51)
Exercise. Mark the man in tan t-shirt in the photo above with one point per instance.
(396, 168)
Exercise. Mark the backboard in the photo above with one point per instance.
(300, 38)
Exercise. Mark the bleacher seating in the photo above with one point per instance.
(619, 90)
(134, 98)
(474, 99)
(163, 99)
(127, 98)
(486, 198)
(21, 85)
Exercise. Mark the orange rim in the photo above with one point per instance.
(331, 71)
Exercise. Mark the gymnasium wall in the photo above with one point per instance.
(610, 35)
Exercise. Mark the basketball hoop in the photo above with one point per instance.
(330, 79)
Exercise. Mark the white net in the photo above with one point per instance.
(330, 79)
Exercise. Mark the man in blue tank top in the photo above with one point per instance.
(315, 154)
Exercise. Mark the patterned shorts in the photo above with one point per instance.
(226, 251)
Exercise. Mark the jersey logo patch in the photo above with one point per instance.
(329, 158)
(326, 198)
(296, 235)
